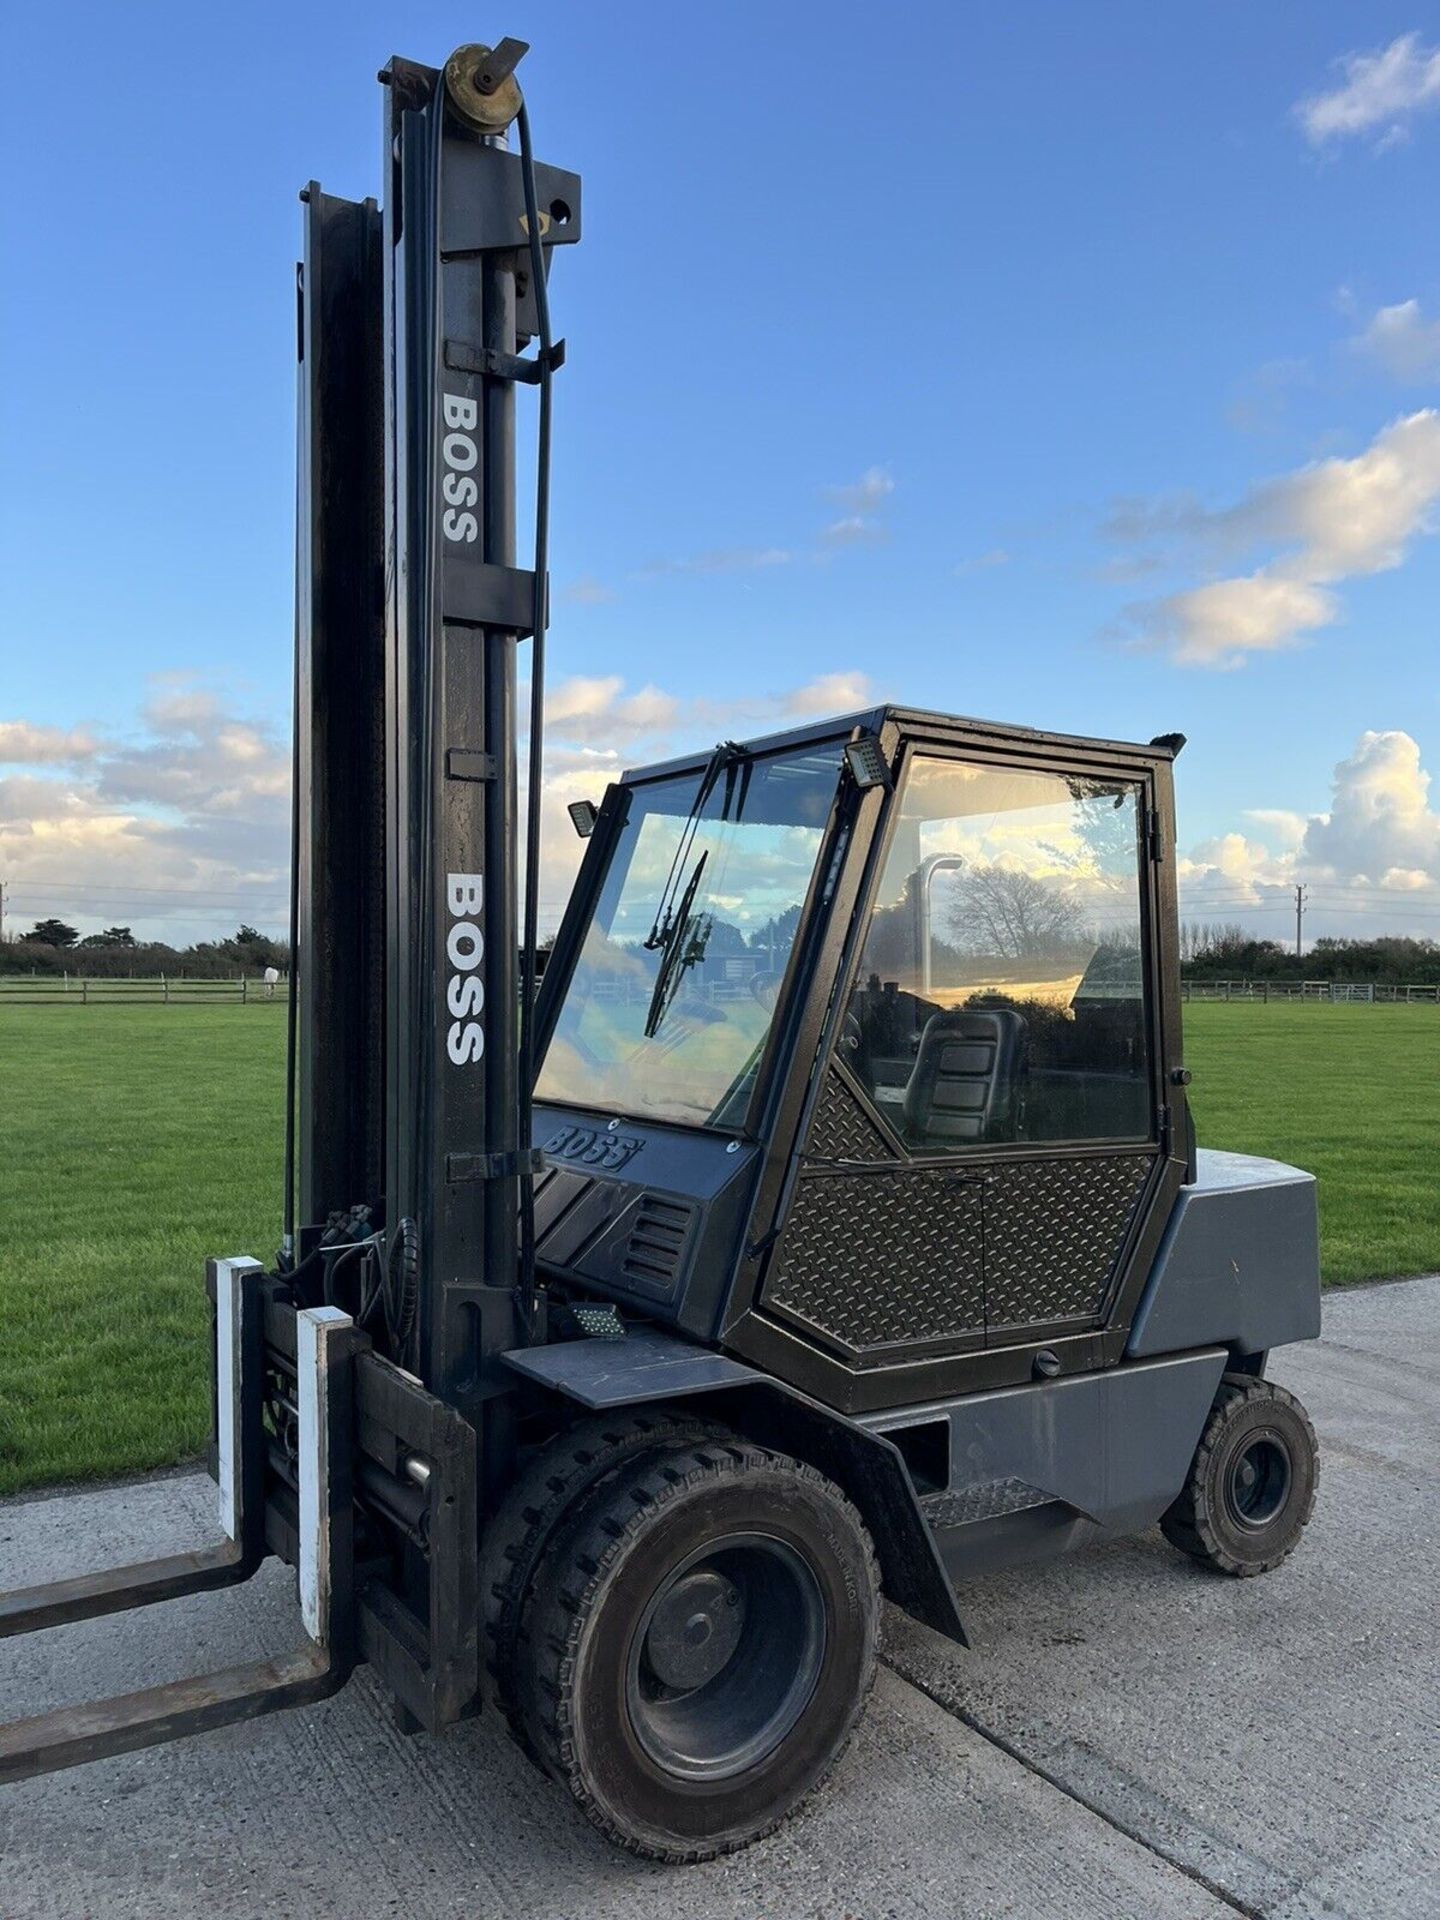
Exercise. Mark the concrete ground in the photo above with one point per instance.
(1128, 1736)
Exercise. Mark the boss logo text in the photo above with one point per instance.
(465, 949)
(460, 455)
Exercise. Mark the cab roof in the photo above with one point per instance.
(921, 723)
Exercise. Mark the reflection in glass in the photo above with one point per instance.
(673, 995)
(1001, 991)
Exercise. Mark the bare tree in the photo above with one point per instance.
(1001, 911)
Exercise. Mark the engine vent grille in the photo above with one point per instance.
(657, 1244)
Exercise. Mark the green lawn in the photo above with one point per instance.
(135, 1141)
(1350, 1092)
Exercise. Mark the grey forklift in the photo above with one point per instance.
(828, 1224)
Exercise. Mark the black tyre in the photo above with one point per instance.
(700, 1645)
(516, 1538)
(1251, 1487)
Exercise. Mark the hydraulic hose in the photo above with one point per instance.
(534, 759)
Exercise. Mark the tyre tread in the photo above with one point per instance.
(575, 1460)
(559, 1615)
(1189, 1522)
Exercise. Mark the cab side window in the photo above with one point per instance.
(1001, 991)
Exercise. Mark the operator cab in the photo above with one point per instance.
(858, 1040)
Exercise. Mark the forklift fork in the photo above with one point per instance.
(326, 1346)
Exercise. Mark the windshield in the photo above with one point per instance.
(666, 1014)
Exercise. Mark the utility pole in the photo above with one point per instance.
(2, 913)
(1300, 893)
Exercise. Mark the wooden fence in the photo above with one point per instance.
(83, 990)
(1330, 992)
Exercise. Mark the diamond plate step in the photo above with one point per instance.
(985, 1501)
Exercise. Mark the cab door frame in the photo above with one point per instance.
(896, 1376)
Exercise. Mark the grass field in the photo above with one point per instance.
(135, 1141)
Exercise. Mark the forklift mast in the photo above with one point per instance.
(411, 610)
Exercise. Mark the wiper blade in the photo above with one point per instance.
(684, 944)
(727, 756)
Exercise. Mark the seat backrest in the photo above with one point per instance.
(967, 1076)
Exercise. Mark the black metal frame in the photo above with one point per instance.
(340, 713)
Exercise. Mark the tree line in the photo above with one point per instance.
(54, 946)
(1217, 951)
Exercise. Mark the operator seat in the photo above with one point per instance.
(967, 1080)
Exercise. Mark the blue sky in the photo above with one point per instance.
(1064, 365)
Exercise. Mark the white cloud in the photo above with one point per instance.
(861, 499)
(182, 834)
(1380, 821)
(864, 495)
(1405, 343)
(1381, 92)
(589, 709)
(178, 703)
(22, 744)
(1246, 866)
(1283, 825)
(1333, 520)
(1218, 625)
(1370, 864)
(830, 693)
(854, 529)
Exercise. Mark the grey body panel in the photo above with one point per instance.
(646, 1365)
(1109, 1449)
(1239, 1264)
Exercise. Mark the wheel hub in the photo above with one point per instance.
(695, 1630)
(726, 1657)
(1259, 1481)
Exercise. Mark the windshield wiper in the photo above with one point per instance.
(727, 758)
(684, 944)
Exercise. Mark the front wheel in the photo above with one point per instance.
(1251, 1485)
(700, 1643)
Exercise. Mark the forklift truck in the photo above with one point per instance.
(831, 1223)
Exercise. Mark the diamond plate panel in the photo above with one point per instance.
(879, 1258)
(987, 1501)
(841, 1129)
(1053, 1232)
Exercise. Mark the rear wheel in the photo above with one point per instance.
(1251, 1486)
(700, 1644)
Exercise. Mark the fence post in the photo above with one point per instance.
(84, 993)
(244, 989)
(165, 983)
(1266, 995)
